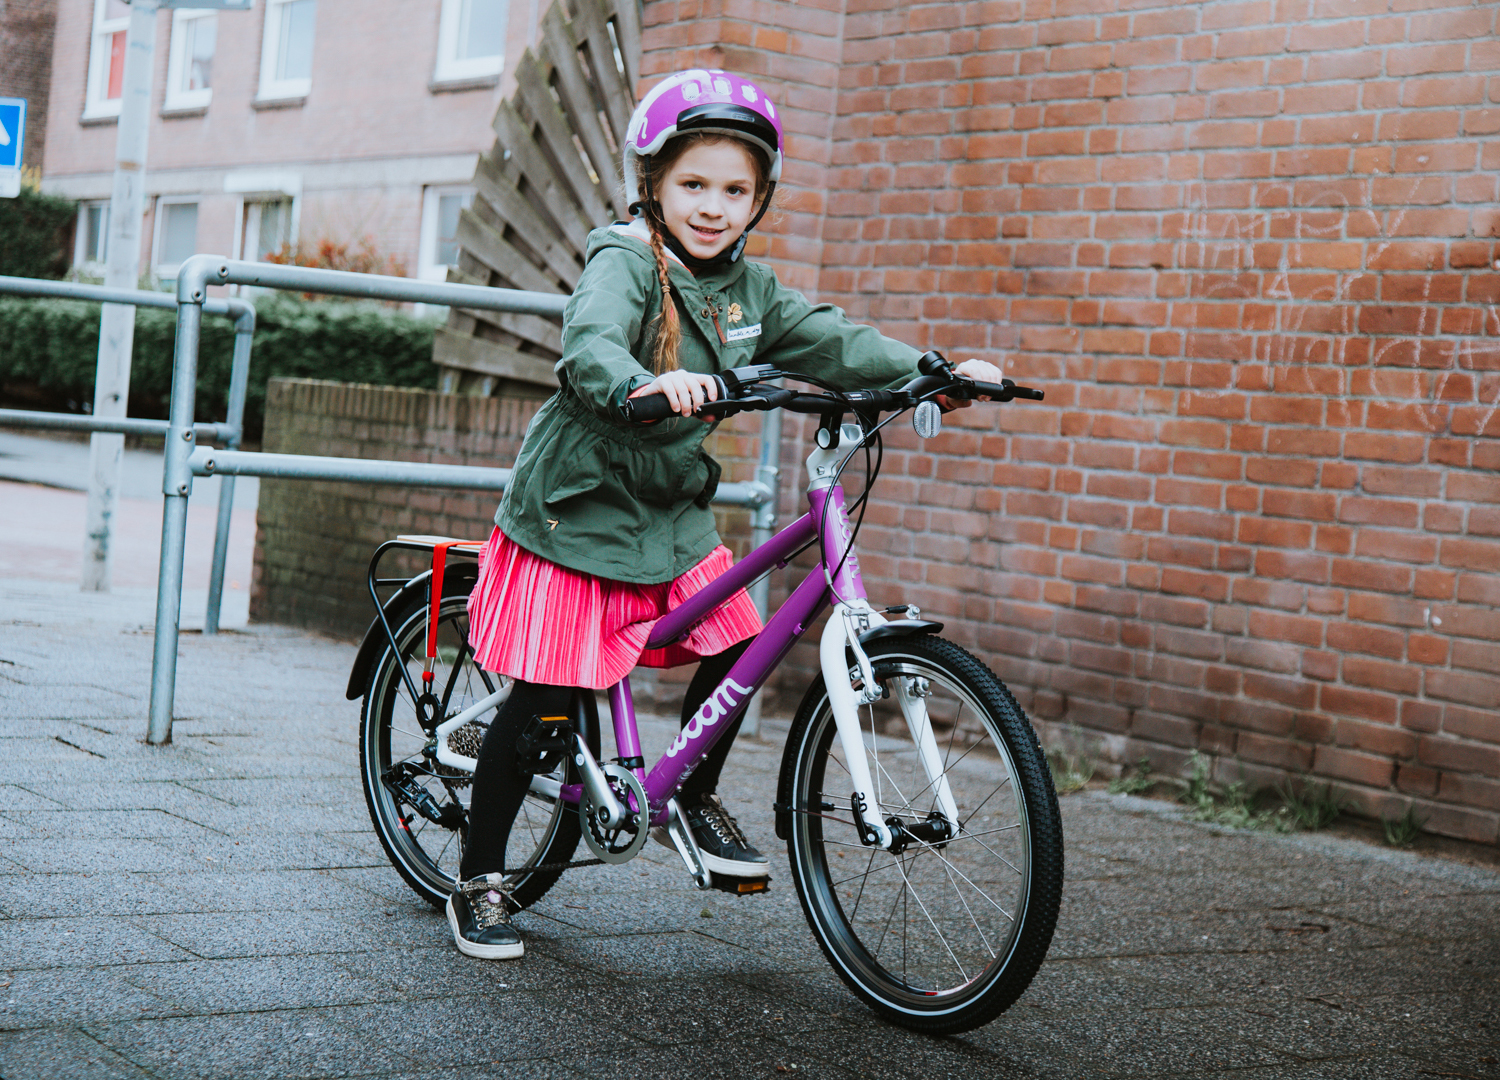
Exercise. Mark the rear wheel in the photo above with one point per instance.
(945, 934)
(420, 808)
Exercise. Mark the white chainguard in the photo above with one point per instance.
(845, 703)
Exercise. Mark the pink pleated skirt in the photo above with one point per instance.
(534, 620)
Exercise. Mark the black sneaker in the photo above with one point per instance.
(480, 919)
(725, 849)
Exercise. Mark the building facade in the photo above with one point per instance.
(26, 66)
(296, 124)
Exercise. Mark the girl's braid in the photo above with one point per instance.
(668, 331)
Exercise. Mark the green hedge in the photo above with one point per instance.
(33, 234)
(49, 350)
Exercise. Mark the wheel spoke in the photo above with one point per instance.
(863, 880)
(900, 865)
(427, 858)
(962, 902)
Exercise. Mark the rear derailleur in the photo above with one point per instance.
(404, 781)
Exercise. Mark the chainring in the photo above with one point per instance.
(622, 844)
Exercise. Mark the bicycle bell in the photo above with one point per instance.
(927, 419)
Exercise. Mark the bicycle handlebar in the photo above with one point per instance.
(740, 390)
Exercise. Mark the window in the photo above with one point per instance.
(190, 60)
(92, 242)
(106, 76)
(267, 226)
(471, 39)
(286, 53)
(438, 248)
(176, 235)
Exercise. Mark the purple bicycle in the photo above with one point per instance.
(917, 806)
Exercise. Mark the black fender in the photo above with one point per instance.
(900, 628)
(457, 579)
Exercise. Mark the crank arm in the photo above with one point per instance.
(609, 810)
(687, 847)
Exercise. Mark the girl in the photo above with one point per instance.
(605, 525)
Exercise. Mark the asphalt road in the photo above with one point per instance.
(220, 908)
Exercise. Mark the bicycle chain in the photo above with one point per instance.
(547, 868)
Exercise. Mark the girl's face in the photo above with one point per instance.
(708, 196)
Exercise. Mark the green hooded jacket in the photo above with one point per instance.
(630, 502)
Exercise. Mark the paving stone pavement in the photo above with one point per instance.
(220, 908)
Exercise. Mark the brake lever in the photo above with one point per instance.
(760, 401)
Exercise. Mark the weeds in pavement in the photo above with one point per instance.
(1228, 804)
(1072, 763)
(1136, 783)
(1295, 807)
(1309, 807)
(1401, 831)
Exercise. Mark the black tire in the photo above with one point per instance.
(424, 852)
(943, 937)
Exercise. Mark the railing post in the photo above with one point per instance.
(176, 486)
(239, 378)
(763, 524)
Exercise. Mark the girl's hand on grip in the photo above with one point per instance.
(979, 371)
(684, 390)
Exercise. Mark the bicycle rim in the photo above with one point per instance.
(425, 852)
(942, 936)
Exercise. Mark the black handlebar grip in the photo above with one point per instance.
(650, 407)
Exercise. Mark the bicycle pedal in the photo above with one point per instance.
(740, 886)
(543, 744)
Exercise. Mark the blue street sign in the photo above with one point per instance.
(12, 131)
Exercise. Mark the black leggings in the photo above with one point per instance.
(499, 789)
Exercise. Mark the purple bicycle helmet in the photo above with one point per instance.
(715, 102)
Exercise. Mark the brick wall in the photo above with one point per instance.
(1249, 251)
(314, 540)
(26, 29)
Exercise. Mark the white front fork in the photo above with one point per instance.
(843, 629)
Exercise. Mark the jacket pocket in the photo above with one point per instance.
(713, 471)
(590, 467)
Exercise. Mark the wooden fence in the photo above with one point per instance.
(551, 177)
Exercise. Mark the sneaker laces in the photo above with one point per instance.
(489, 900)
(722, 822)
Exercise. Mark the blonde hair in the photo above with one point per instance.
(668, 326)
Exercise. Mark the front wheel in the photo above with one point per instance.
(943, 935)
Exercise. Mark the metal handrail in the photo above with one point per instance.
(229, 432)
(183, 461)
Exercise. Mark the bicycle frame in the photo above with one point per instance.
(835, 578)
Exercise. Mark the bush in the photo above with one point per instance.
(34, 234)
(49, 350)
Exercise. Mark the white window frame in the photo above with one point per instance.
(95, 104)
(272, 88)
(82, 259)
(449, 67)
(428, 268)
(168, 271)
(248, 210)
(178, 99)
